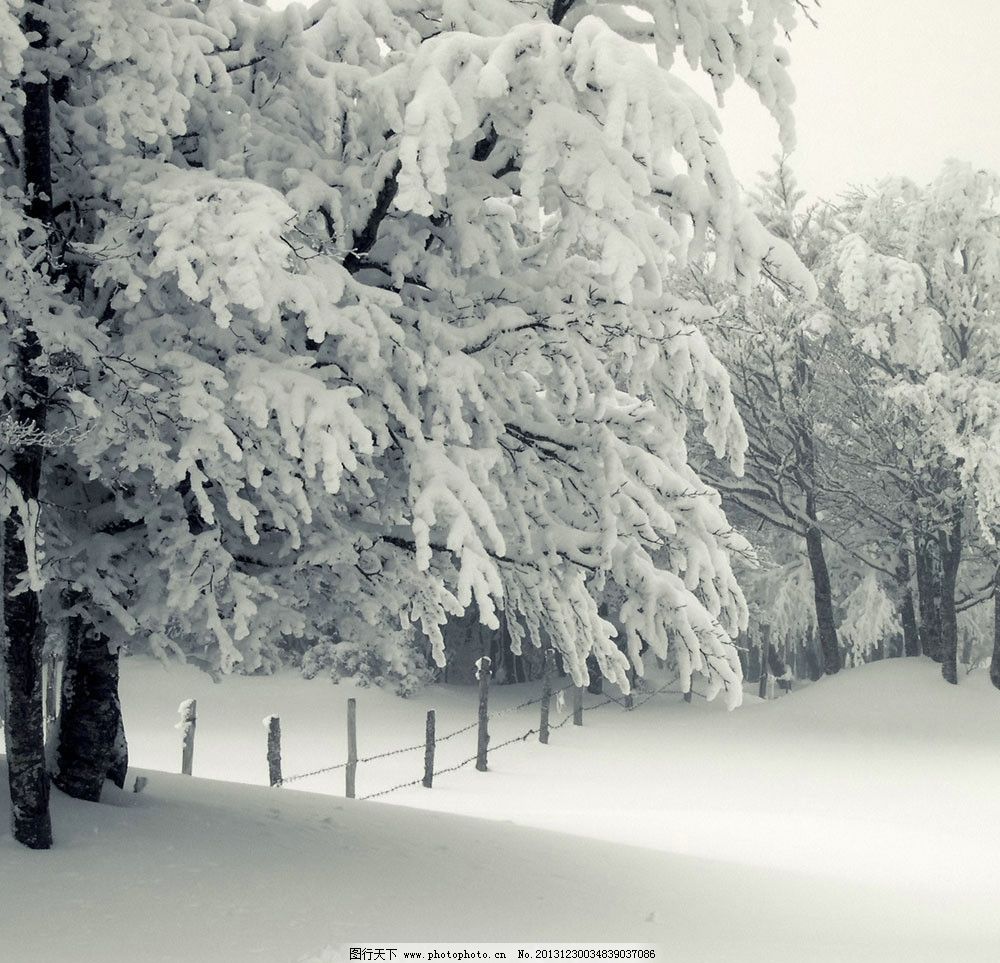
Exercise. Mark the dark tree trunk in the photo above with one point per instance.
(595, 679)
(26, 403)
(92, 744)
(767, 660)
(929, 595)
(950, 542)
(995, 661)
(814, 665)
(825, 624)
(744, 655)
(24, 729)
(908, 616)
(753, 663)
(907, 610)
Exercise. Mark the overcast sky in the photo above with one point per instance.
(884, 87)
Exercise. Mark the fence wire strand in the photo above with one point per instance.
(380, 755)
(472, 725)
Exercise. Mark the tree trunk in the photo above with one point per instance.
(950, 542)
(907, 611)
(26, 402)
(595, 678)
(908, 616)
(825, 623)
(929, 595)
(24, 728)
(765, 660)
(92, 744)
(753, 663)
(810, 651)
(826, 627)
(995, 661)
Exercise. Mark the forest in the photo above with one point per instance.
(362, 339)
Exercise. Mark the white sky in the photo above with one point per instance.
(884, 87)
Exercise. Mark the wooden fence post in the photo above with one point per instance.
(189, 719)
(543, 726)
(578, 705)
(273, 724)
(352, 747)
(630, 698)
(429, 751)
(765, 660)
(483, 674)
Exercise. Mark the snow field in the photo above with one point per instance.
(809, 828)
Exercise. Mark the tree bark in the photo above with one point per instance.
(92, 744)
(950, 542)
(995, 661)
(907, 611)
(908, 616)
(813, 662)
(24, 729)
(825, 623)
(595, 679)
(765, 660)
(929, 595)
(26, 402)
(753, 664)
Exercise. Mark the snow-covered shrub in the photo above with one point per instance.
(403, 668)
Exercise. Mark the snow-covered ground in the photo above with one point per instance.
(858, 819)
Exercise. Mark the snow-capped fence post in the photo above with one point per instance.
(765, 660)
(352, 748)
(578, 705)
(428, 779)
(273, 725)
(188, 710)
(630, 699)
(543, 726)
(483, 674)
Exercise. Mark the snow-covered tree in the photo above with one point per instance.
(30, 271)
(362, 315)
(775, 342)
(834, 457)
(918, 276)
(780, 596)
(870, 619)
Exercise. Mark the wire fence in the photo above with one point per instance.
(628, 703)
